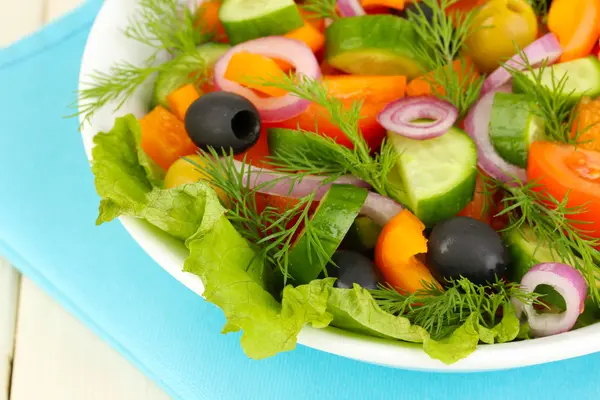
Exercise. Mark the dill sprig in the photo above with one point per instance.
(321, 8)
(554, 224)
(551, 98)
(441, 41)
(330, 157)
(272, 230)
(440, 312)
(166, 26)
(540, 7)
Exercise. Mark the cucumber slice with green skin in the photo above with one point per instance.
(583, 78)
(514, 125)
(438, 175)
(373, 45)
(331, 221)
(525, 252)
(169, 81)
(245, 20)
(363, 234)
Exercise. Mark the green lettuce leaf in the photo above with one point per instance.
(505, 331)
(129, 183)
(356, 310)
(462, 342)
(124, 174)
(235, 280)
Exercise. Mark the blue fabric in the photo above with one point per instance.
(47, 211)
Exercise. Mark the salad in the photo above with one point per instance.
(420, 171)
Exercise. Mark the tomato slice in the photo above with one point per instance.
(563, 170)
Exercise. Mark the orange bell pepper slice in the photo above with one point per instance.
(181, 99)
(164, 137)
(400, 241)
(576, 24)
(245, 67)
(463, 68)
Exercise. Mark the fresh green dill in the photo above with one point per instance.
(166, 26)
(321, 8)
(442, 40)
(440, 312)
(554, 224)
(272, 230)
(340, 160)
(540, 7)
(551, 98)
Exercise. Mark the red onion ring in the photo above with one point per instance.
(399, 116)
(568, 282)
(477, 126)
(272, 109)
(547, 48)
(380, 208)
(350, 8)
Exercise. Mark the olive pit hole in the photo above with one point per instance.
(244, 124)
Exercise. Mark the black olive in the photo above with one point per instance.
(352, 267)
(414, 8)
(464, 246)
(223, 120)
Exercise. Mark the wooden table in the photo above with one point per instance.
(45, 353)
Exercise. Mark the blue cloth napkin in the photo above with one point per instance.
(47, 211)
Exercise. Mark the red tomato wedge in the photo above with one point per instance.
(563, 170)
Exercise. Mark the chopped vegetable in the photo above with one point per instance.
(181, 99)
(350, 268)
(406, 117)
(426, 85)
(567, 281)
(207, 20)
(395, 4)
(246, 68)
(571, 175)
(374, 45)
(498, 26)
(278, 108)
(188, 170)
(244, 21)
(575, 23)
(586, 128)
(400, 241)
(164, 137)
(308, 34)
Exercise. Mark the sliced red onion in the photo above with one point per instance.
(399, 117)
(282, 184)
(380, 208)
(568, 282)
(477, 126)
(272, 109)
(547, 48)
(350, 8)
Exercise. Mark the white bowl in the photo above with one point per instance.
(107, 45)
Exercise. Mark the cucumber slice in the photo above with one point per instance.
(373, 45)
(363, 234)
(437, 175)
(330, 223)
(169, 81)
(245, 20)
(583, 78)
(525, 252)
(514, 125)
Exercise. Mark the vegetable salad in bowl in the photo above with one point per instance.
(423, 173)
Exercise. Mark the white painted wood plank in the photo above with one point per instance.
(9, 293)
(18, 18)
(58, 358)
